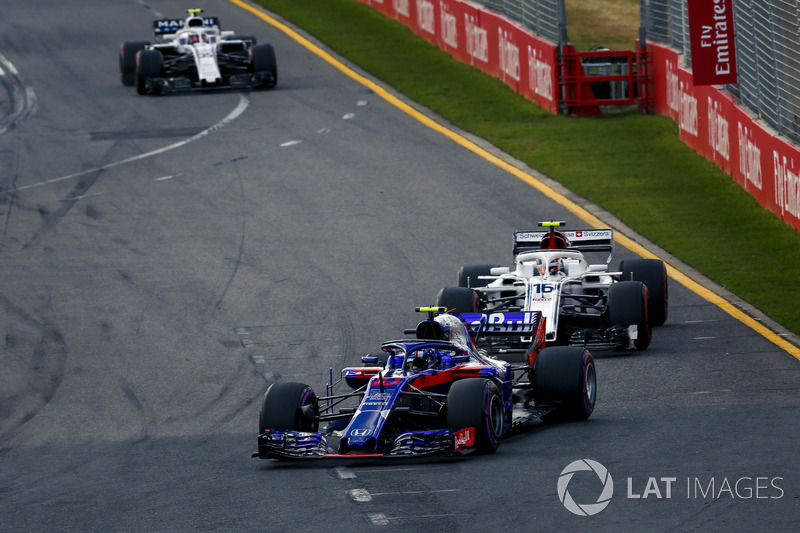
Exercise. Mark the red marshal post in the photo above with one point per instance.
(713, 45)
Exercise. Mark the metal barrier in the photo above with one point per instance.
(768, 56)
(598, 78)
(539, 16)
(587, 80)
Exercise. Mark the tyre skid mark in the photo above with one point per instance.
(242, 233)
(244, 102)
(47, 366)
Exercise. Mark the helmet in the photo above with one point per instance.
(556, 265)
(429, 358)
(454, 330)
(555, 240)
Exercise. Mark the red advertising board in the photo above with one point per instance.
(764, 165)
(425, 13)
(709, 119)
(540, 72)
(711, 38)
(485, 40)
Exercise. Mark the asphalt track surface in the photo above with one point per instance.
(165, 258)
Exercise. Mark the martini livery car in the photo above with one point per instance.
(434, 394)
(194, 54)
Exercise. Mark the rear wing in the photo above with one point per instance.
(169, 26)
(584, 240)
(502, 324)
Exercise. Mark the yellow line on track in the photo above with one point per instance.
(549, 192)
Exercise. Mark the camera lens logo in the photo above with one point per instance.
(587, 509)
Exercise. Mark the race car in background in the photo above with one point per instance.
(433, 394)
(194, 54)
(582, 304)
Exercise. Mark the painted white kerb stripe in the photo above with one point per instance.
(244, 101)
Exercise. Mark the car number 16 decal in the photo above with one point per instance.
(543, 288)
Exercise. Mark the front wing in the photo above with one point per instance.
(275, 444)
(184, 84)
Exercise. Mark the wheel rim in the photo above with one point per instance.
(305, 414)
(495, 416)
(590, 384)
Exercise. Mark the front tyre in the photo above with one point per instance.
(262, 61)
(149, 64)
(288, 406)
(627, 305)
(476, 402)
(127, 61)
(653, 273)
(565, 377)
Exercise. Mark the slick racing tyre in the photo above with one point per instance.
(565, 377)
(476, 402)
(461, 299)
(149, 64)
(653, 273)
(127, 61)
(627, 305)
(468, 275)
(262, 59)
(288, 406)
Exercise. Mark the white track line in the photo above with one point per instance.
(244, 101)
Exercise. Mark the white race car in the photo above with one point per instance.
(583, 304)
(194, 54)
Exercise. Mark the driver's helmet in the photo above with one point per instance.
(429, 358)
(557, 265)
(554, 241)
(194, 38)
(454, 330)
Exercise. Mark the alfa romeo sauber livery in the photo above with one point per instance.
(195, 54)
(582, 304)
(432, 394)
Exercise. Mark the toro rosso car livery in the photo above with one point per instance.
(434, 394)
(581, 303)
(194, 54)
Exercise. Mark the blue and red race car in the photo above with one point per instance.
(434, 394)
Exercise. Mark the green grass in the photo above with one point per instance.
(633, 165)
(613, 24)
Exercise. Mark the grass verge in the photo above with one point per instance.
(632, 165)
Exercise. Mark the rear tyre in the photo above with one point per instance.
(627, 305)
(149, 64)
(468, 275)
(262, 60)
(127, 61)
(565, 376)
(653, 273)
(288, 406)
(461, 299)
(476, 402)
